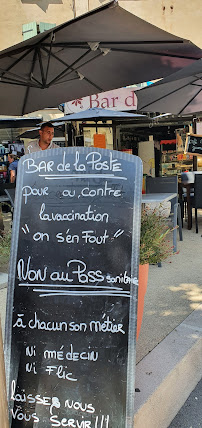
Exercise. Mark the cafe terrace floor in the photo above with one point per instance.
(173, 291)
(169, 348)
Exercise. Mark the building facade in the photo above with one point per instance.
(21, 19)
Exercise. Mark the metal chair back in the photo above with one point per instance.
(163, 185)
(198, 191)
(187, 177)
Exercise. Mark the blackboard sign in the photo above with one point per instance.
(194, 144)
(71, 308)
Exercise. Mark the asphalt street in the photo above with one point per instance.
(190, 415)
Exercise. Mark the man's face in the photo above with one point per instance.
(46, 135)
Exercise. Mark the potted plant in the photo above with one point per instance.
(154, 248)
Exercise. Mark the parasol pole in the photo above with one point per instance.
(66, 143)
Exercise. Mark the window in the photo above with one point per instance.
(32, 29)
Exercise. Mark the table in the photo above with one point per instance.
(149, 198)
(5, 197)
(11, 195)
(2, 199)
(188, 187)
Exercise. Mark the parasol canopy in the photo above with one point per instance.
(179, 93)
(104, 49)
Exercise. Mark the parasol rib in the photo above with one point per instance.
(40, 86)
(15, 82)
(102, 44)
(14, 79)
(84, 63)
(67, 65)
(114, 42)
(27, 89)
(163, 96)
(17, 61)
(190, 101)
(49, 56)
(68, 80)
(152, 53)
(41, 67)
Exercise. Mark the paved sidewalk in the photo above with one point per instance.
(174, 292)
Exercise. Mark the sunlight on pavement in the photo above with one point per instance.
(191, 292)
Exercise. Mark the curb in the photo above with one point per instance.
(168, 374)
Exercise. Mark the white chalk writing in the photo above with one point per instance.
(29, 191)
(71, 355)
(88, 215)
(108, 325)
(60, 372)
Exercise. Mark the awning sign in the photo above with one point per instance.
(118, 99)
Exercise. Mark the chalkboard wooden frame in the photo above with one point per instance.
(192, 142)
(132, 166)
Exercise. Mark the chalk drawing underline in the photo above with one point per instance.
(26, 284)
(108, 290)
(69, 176)
(79, 294)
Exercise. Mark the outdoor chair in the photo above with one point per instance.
(186, 178)
(197, 200)
(8, 191)
(168, 185)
